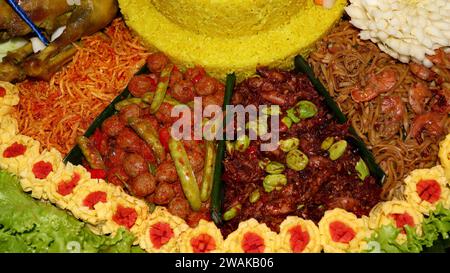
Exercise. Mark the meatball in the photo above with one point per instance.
(175, 77)
(112, 126)
(134, 164)
(194, 74)
(205, 86)
(130, 111)
(164, 193)
(156, 62)
(214, 99)
(180, 207)
(128, 140)
(142, 185)
(141, 84)
(166, 172)
(183, 91)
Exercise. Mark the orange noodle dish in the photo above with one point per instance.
(118, 141)
(55, 112)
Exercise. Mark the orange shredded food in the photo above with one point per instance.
(56, 112)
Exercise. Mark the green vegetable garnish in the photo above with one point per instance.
(242, 143)
(254, 196)
(274, 168)
(296, 160)
(185, 173)
(91, 153)
(273, 110)
(263, 163)
(130, 101)
(287, 121)
(290, 144)
(337, 149)
(274, 182)
(231, 213)
(306, 109)
(229, 146)
(326, 144)
(161, 89)
(208, 170)
(362, 170)
(292, 114)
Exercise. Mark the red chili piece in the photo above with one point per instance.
(253, 243)
(299, 239)
(164, 136)
(341, 232)
(66, 187)
(93, 198)
(97, 174)
(125, 216)
(429, 190)
(160, 234)
(42, 169)
(402, 219)
(203, 243)
(14, 150)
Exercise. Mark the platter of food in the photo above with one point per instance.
(226, 127)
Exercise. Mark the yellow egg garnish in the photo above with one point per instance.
(342, 231)
(299, 236)
(251, 237)
(161, 232)
(397, 213)
(39, 171)
(444, 156)
(206, 237)
(17, 152)
(94, 200)
(8, 128)
(65, 184)
(11, 97)
(426, 188)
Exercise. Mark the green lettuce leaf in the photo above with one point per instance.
(28, 225)
(435, 235)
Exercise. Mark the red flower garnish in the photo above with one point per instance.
(299, 239)
(42, 169)
(125, 216)
(66, 187)
(93, 198)
(160, 234)
(203, 243)
(253, 243)
(402, 219)
(429, 190)
(14, 150)
(341, 232)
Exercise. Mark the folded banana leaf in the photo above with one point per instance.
(217, 194)
(75, 156)
(301, 65)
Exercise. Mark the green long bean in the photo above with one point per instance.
(208, 171)
(185, 173)
(161, 89)
(149, 134)
(91, 154)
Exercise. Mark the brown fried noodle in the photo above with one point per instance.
(342, 61)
